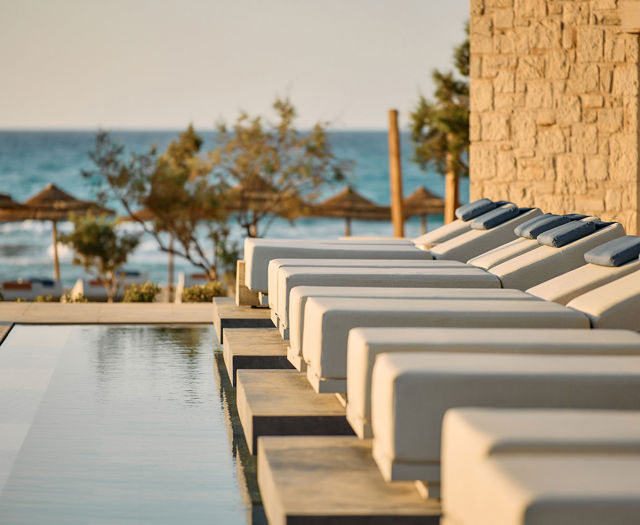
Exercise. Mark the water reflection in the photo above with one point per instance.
(130, 429)
(246, 464)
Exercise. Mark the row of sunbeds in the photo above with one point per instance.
(496, 311)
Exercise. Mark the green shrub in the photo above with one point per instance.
(203, 293)
(66, 298)
(141, 293)
(44, 299)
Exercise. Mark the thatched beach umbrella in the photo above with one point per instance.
(423, 203)
(7, 203)
(349, 204)
(52, 204)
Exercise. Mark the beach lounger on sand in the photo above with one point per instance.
(565, 251)
(327, 320)
(493, 226)
(30, 289)
(605, 263)
(472, 436)
(412, 391)
(365, 344)
(300, 295)
(557, 489)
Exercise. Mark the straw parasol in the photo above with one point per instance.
(349, 204)
(422, 202)
(52, 204)
(7, 203)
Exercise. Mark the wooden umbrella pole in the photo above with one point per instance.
(395, 173)
(170, 279)
(423, 224)
(56, 262)
(347, 226)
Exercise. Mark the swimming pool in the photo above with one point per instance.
(119, 423)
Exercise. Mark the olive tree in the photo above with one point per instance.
(274, 169)
(100, 249)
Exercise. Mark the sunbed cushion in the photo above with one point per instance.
(531, 229)
(471, 210)
(566, 234)
(615, 252)
(495, 217)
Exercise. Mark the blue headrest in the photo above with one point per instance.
(471, 210)
(615, 252)
(575, 216)
(532, 228)
(495, 217)
(567, 233)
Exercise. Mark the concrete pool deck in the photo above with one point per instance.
(105, 313)
(226, 314)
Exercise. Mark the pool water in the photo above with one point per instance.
(103, 424)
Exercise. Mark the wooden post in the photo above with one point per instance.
(170, 280)
(56, 262)
(395, 175)
(347, 226)
(423, 224)
(451, 198)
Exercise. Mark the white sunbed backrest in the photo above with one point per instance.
(546, 262)
(614, 305)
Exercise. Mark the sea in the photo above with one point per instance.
(29, 160)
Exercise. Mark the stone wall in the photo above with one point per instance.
(554, 107)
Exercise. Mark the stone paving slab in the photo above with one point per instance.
(227, 314)
(105, 313)
(282, 403)
(333, 480)
(253, 348)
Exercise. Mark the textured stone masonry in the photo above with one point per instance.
(554, 107)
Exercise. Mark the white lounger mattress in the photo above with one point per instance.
(426, 277)
(327, 322)
(276, 264)
(258, 254)
(471, 436)
(365, 344)
(300, 294)
(555, 489)
(412, 392)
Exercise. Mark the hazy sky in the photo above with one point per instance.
(165, 63)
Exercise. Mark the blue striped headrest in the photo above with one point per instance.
(495, 217)
(615, 252)
(532, 228)
(471, 210)
(567, 233)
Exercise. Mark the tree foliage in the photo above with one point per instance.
(177, 191)
(440, 127)
(274, 169)
(100, 249)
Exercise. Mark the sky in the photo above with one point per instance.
(162, 64)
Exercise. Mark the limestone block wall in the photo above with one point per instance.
(554, 107)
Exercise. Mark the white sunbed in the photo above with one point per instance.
(430, 276)
(605, 264)
(300, 294)
(327, 321)
(472, 436)
(412, 391)
(365, 344)
(555, 489)
(568, 244)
